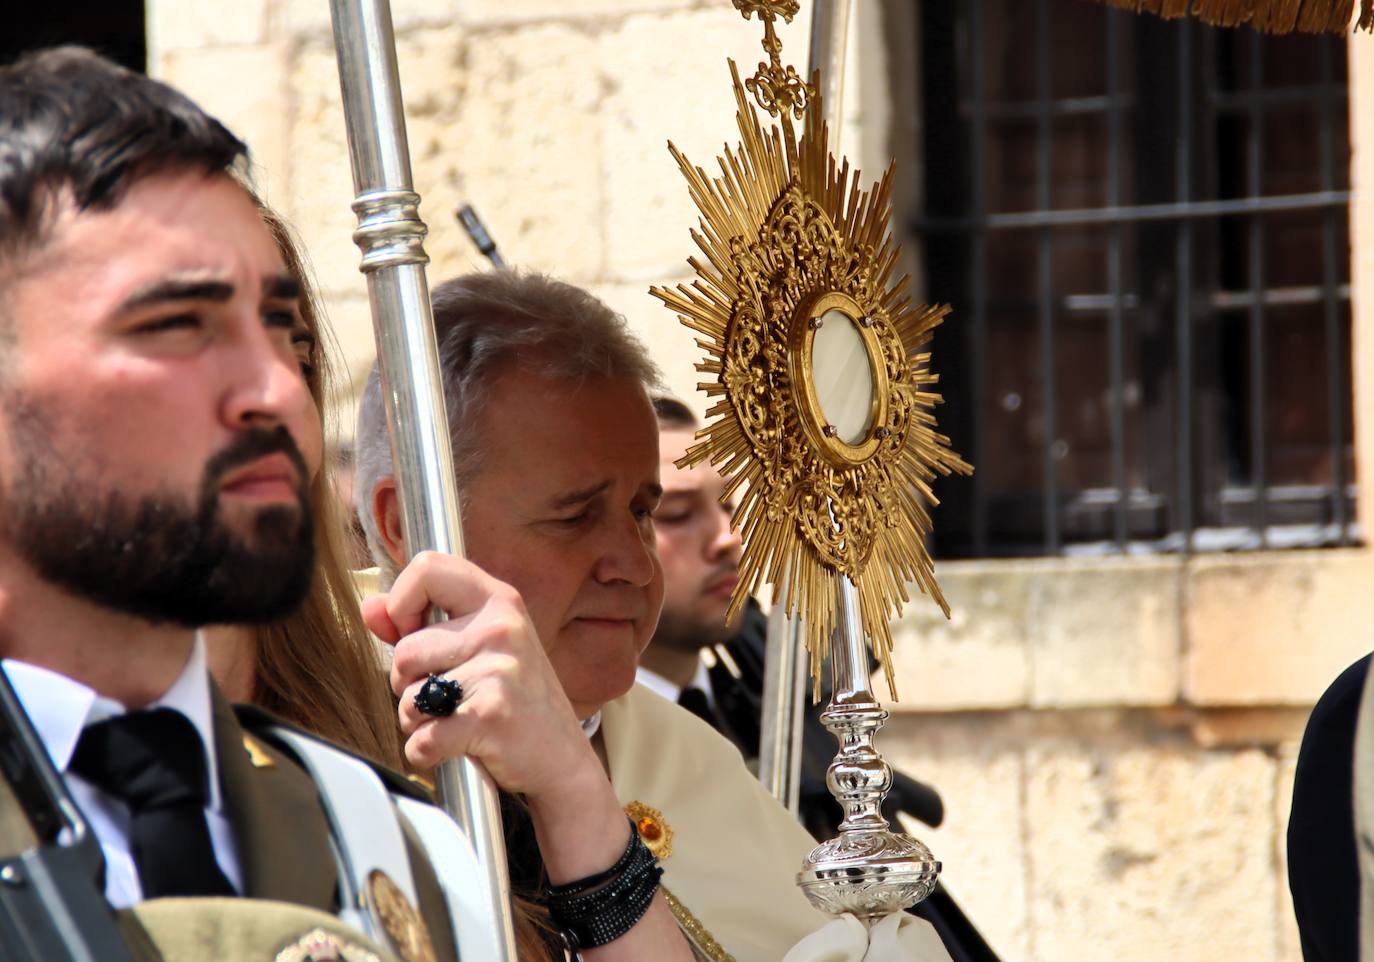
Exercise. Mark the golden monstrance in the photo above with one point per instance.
(831, 470)
(823, 424)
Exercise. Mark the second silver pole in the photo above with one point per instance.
(785, 661)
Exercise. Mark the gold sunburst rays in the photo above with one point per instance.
(785, 235)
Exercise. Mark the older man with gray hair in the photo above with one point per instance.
(556, 448)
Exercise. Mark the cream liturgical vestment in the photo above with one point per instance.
(735, 852)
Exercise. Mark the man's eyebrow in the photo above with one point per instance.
(282, 287)
(175, 289)
(578, 497)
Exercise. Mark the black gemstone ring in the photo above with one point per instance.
(438, 696)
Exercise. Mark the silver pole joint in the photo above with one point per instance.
(390, 232)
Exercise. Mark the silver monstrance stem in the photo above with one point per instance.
(867, 870)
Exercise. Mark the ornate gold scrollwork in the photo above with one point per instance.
(777, 89)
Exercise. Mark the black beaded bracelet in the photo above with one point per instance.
(613, 920)
(601, 878)
(599, 909)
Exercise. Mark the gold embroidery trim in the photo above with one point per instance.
(400, 919)
(423, 782)
(702, 940)
(321, 946)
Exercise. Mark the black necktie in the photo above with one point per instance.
(154, 761)
(696, 702)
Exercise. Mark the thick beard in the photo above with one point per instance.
(158, 557)
(680, 632)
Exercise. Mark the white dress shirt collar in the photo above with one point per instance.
(590, 726)
(60, 708)
(659, 685)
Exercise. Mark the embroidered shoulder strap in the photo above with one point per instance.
(365, 812)
(362, 821)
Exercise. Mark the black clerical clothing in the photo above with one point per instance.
(1323, 867)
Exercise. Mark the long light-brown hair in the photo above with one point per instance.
(319, 668)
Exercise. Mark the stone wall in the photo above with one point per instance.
(1114, 740)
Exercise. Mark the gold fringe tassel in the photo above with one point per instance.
(1267, 16)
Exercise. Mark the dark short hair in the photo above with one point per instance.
(672, 413)
(72, 120)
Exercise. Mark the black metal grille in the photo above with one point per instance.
(1142, 227)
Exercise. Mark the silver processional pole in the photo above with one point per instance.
(391, 235)
(784, 673)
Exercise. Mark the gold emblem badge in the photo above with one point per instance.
(400, 920)
(653, 829)
(321, 946)
(257, 755)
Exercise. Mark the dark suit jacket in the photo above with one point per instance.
(1323, 867)
(281, 831)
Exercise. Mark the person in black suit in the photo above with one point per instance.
(1323, 868)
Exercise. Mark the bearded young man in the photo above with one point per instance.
(556, 451)
(151, 482)
(700, 555)
(149, 477)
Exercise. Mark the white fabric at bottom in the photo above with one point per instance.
(897, 938)
(367, 836)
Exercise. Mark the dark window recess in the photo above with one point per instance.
(1142, 227)
(115, 28)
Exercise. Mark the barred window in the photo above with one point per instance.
(1142, 227)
